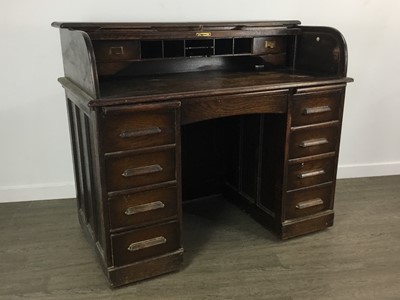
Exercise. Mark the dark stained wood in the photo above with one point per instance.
(145, 269)
(189, 85)
(159, 112)
(269, 45)
(308, 224)
(314, 140)
(309, 173)
(139, 189)
(271, 167)
(230, 33)
(124, 253)
(116, 50)
(195, 110)
(116, 55)
(250, 156)
(310, 106)
(86, 149)
(308, 201)
(78, 59)
(130, 131)
(89, 190)
(121, 207)
(79, 97)
(323, 50)
(72, 121)
(117, 169)
(98, 182)
(174, 26)
(170, 65)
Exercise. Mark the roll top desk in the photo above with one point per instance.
(162, 113)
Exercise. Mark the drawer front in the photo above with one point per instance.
(311, 173)
(138, 130)
(213, 107)
(143, 207)
(140, 170)
(316, 107)
(308, 201)
(269, 45)
(116, 50)
(312, 141)
(144, 243)
(299, 227)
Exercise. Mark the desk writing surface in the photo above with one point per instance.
(181, 85)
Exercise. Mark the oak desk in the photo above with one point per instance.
(164, 113)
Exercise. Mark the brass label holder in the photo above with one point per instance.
(203, 34)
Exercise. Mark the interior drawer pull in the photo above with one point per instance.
(144, 207)
(147, 243)
(142, 170)
(315, 142)
(309, 203)
(311, 173)
(316, 110)
(139, 132)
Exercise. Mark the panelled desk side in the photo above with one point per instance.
(269, 137)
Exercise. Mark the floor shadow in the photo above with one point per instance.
(208, 222)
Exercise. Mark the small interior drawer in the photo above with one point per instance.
(308, 201)
(144, 243)
(140, 170)
(128, 131)
(316, 107)
(311, 173)
(143, 207)
(116, 50)
(269, 45)
(314, 140)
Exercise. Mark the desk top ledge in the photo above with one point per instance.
(200, 84)
(96, 26)
(151, 89)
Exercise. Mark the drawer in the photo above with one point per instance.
(269, 45)
(116, 50)
(145, 243)
(308, 201)
(297, 227)
(143, 207)
(128, 131)
(311, 173)
(318, 107)
(213, 107)
(314, 140)
(140, 170)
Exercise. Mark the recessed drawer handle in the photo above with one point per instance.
(315, 142)
(311, 173)
(142, 170)
(309, 203)
(316, 110)
(144, 207)
(147, 243)
(139, 132)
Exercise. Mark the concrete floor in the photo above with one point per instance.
(43, 254)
